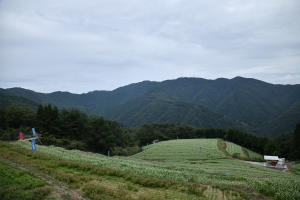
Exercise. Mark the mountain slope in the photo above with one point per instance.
(238, 98)
(253, 105)
(155, 110)
(99, 102)
(7, 100)
(279, 123)
(247, 100)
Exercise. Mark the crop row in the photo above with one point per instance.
(104, 183)
(234, 149)
(254, 155)
(182, 160)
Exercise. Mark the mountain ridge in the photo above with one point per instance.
(249, 104)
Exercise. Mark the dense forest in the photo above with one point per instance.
(73, 129)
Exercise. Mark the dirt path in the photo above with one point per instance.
(222, 147)
(61, 191)
(262, 164)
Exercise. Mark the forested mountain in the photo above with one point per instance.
(248, 104)
(7, 100)
(98, 102)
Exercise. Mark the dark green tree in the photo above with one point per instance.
(47, 120)
(72, 124)
(40, 117)
(285, 149)
(128, 139)
(185, 131)
(55, 129)
(95, 134)
(271, 148)
(18, 116)
(296, 143)
(47, 117)
(145, 134)
(3, 119)
(14, 116)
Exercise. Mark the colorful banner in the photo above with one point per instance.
(33, 146)
(21, 136)
(33, 131)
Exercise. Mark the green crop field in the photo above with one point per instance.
(16, 184)
(254, 155)
(234, 149)
(175, 169)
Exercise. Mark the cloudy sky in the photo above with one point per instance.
(85, 45)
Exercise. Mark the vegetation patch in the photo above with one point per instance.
(295, 169)
(154, 160)
(17, 184)
(222, 147)
(175, 174)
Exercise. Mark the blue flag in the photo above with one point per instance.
(33, 147)
(33, 131)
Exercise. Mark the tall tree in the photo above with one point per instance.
(18, 116)
(39, 116)
(296, 142)
(96, 133)
(72, 124)
(3, 119)
(145, 134)
(271, 148)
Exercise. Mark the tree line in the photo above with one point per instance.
(73, 129)
(67, 128)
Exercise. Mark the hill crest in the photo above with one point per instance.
(248, 104)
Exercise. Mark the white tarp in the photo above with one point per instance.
(271, 158)
(281, 161)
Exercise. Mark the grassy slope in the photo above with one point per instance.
(17, 184)
(182, 163)
(23, 182)
(242, 152)
(296, 169)
(101, 183)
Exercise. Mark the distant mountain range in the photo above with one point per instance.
(248, 104)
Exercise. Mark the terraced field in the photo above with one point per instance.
(176, 169)
(234, 149)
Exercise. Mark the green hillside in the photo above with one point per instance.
(157, 110)
(206, 171)
(248, 104)
(281, 121)
(196, 150)
(99, 102)
(237, 151)
(249, 101)
(7, 100)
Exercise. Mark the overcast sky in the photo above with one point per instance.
(85, 45)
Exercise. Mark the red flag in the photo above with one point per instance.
(21, 136)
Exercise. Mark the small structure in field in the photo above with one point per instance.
(274, 161)
(281, 162)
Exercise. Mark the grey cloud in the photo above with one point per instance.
(96, 45)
